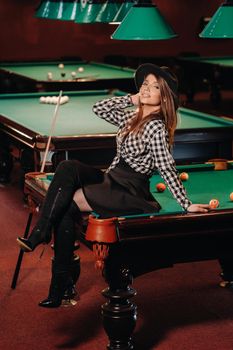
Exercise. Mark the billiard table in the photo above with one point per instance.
(212, 74)
(127, 247)
(25, 125)
(47, 76)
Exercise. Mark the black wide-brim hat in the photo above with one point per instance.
(149, 68)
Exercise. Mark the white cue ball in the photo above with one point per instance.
(64, 99)
(54, 99)
(61, 66)
(50, 76)
(42, 99)
(81, 69)
(73, 74)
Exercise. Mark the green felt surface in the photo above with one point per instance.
(38, 71)
(76, 116)
(190, 119)
(204, 184)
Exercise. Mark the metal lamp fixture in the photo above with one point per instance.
(144, 21)
(123, 10)
(108, 11)
(221, 24)
(88, 11)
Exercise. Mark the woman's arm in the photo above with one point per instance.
(112, 109)
(165, 164)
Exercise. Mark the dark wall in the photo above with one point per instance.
(24, 37)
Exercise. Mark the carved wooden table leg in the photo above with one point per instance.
(119, 314)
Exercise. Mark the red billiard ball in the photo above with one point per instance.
(184, 176)
(213, 203)
(231, 196)
(161, 187)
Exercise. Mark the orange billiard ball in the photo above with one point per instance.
(213, 203)
(231, 196)
(161, 187)
(184, 176)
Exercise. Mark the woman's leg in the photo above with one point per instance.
(64, 239)
(69, 176)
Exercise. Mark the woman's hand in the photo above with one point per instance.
(198, 208)
(135, 99)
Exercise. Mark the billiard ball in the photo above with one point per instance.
(80, 69)
(184, 176)
(54, 99)
(50, 76)
(63, 75)
(64, 99)
(231, 196)
(73, 74)
(61, 66)
(213, 203)
(161, 187)
(42, 99)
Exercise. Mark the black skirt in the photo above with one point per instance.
(121, 191)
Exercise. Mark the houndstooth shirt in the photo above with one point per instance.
(146, 152)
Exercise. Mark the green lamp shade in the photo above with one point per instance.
(48, 9)
(54, 9)
(70, 10)
(221, 24)
(123, 10)
(143, 23)
(88, 12)
(108, 11)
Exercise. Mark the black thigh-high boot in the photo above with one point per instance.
(64, 239)
(74, 269)
(69, 176)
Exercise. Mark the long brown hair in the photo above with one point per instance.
(169, 105)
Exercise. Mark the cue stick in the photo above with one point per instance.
(51, 131)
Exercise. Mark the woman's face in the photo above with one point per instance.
(150, 91)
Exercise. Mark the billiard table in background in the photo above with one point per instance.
(33, 76)
(127, 247)
(211, 74)
(79, 134)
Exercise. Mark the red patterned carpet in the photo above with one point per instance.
(180, 308)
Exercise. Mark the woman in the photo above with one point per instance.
(144, 139)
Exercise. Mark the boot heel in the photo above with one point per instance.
(24, 244)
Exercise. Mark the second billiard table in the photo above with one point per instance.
(47, 76)
(206, 73)
(25, 125)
